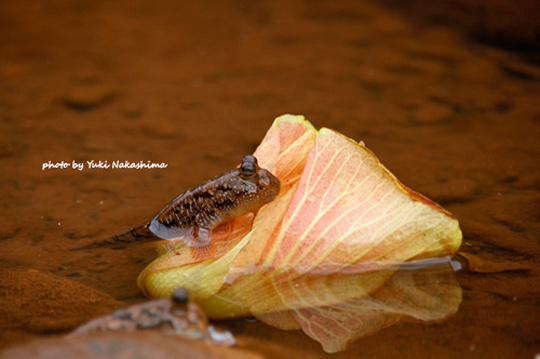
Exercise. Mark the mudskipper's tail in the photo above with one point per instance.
(138, 234)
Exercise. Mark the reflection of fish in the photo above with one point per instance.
(178, 313)
(194, 214)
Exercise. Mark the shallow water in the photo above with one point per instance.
(196, 87)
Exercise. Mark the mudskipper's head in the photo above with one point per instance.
(268, 185)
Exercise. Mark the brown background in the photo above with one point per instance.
(430, 88)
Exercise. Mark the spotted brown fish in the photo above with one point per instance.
(193, 215)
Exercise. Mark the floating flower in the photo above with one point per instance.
(325, 255)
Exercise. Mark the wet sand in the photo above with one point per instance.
(196, 87)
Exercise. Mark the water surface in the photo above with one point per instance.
(196, 87)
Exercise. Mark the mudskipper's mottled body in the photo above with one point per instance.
(193, 215)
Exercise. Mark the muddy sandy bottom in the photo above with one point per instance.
(196, 87)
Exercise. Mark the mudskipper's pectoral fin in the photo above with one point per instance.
(200, 243)
(200, 237)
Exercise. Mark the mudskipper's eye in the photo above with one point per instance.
(248, 169)
(249, 166)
